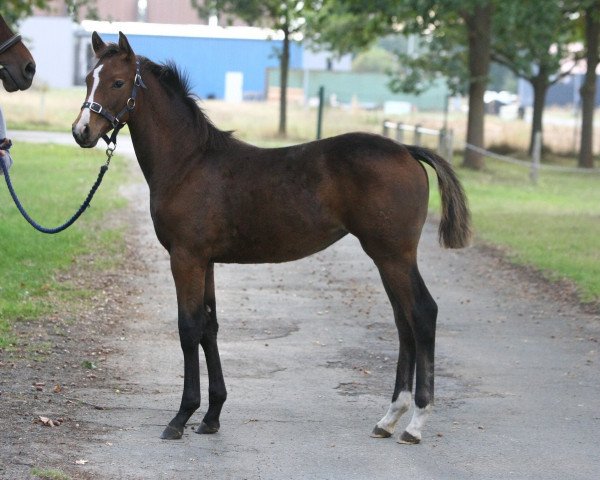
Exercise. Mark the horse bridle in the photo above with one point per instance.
(115, 120)
(7, 44)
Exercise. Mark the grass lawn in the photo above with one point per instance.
(52, 182)
(554, 226)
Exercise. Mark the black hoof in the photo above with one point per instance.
(205, 429)
(408, 439)
(380, 433)
(171, 433)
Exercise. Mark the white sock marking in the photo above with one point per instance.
(395, 411)
(418, 420)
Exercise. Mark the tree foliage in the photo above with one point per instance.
(536, 44)
(457, 39)
(376, 59)
(586, 15)
(349, 26)
(274, 14)
(14, 10)
(529, 39)
(437, 28)
(453, 40)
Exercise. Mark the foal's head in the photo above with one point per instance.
(110, 84)
(17, 67)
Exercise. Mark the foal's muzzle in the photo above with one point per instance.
(82, 135)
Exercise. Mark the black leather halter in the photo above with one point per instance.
(115, 120)
(4, 46)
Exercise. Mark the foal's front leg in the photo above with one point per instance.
(189, 276)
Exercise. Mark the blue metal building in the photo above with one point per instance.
(205, 53)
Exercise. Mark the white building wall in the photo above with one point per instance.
(325, 61)
(51, 41)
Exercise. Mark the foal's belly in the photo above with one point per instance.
(278, 246)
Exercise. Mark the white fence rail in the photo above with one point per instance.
(445, 142)
(524, 163)
(402, 131)
(534, 166)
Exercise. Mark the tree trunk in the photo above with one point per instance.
(283, 70)
(588, 89)
(540, 88)
(479, 39)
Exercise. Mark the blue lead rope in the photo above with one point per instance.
(73, 219)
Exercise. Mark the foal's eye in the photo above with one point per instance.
(118, 84)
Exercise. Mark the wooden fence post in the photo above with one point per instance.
(417, 139)
(399, 132)
(446, 145)
(536, 158)
(320, 111)
(385, 128)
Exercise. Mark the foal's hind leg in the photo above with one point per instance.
(402, 396)
(412, 299)
(424, 317)
(217, 393)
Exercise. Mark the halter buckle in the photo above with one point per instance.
(95, 107)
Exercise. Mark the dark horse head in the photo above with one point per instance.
(111, 87)
(17, 67)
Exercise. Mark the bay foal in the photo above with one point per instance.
(215, 199)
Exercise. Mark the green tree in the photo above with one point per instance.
(376, 59)
(534, 43)
(478, 23)
(590, 11)
(14, 10)
(454, 41)
(287, 16)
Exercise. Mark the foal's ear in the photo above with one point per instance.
(124, 44)
(97, 43)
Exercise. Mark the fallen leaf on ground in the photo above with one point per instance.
(48, 422)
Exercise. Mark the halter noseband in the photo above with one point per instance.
(4, 46)
(115, 120)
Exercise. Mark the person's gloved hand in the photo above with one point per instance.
(5, 157)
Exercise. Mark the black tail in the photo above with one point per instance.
(455, 225)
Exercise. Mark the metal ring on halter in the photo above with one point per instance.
(130, 103)
(110, 151)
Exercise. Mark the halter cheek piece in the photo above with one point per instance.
(115, 120)
(4, 46)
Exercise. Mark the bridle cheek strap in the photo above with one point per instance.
(115, 120)
(4, 46)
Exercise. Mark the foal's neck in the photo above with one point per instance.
(162, 132)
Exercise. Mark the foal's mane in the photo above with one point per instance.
(177, 84)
